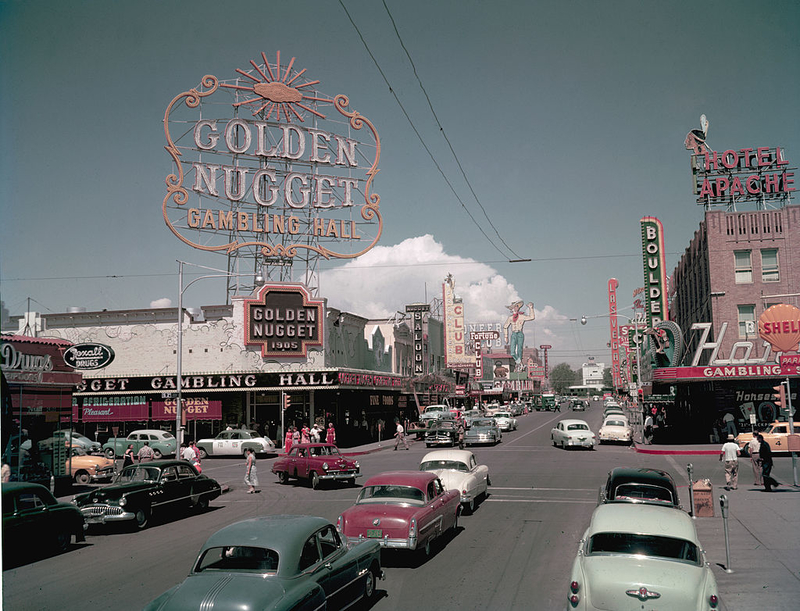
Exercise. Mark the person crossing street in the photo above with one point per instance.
(400, 435)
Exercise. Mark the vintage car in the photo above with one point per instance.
(418, 429)
(401, 510)
(482, 430)
(434, 412)
(615, 428)
(639, 485)
(505, 421)
(162, 442)
(641, 557)
(277, 563)
(442, 432)
(86, 468)
(234, 443)
(459, 470)
(578, 405)
(35, 522)
(143, 491)
(573, 434)
(776, 435)
(317, 463)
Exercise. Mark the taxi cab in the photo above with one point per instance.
(776, 435)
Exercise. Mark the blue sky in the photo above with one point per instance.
(567, 117)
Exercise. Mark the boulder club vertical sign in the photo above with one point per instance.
(654, 264)
(284, 320)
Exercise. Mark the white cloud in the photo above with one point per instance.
(164, 302)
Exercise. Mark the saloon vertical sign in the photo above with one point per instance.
(654, 265)
(419, 313)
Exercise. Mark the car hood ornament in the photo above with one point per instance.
(376, 522)
(643, 593)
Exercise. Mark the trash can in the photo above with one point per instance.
(703, 496)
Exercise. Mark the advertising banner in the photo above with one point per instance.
(455, 339)
(195, 408)
(115, 409)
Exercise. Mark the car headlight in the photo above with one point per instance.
(356, 465)
(123, 501)
(325, 466)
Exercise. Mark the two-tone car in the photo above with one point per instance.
(163, 443)
(640, 485)
(143, 491)
(316, 463)
(776, 435)
(277, 563)
(35, 522)
(615, 429)
(505, 421)
(482, 431)
(442, 432)
(459, 470)
(406, 510)
(641, 557)
(573, 433)
(234, 442)
(89, 468)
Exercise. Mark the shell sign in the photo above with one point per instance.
(266, 162)
(780, 326)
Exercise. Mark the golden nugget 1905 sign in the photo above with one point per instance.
(266, 162)
(284, 320)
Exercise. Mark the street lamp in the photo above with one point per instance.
(181, 290)
(635, 322)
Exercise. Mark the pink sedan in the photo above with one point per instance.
(401, 510)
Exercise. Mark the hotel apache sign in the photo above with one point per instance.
(284, 320)
(266, 162)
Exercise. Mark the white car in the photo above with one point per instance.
(505, 421)
(615, 428)
(573, 434)
(637, 557)
(434, 412)
(459, 470)
(234, 443)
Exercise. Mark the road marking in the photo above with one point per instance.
(512, 500)
(558, 489)
(545, 423)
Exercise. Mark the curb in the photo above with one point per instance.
(641, 450)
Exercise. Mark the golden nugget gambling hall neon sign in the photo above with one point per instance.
(265, 161)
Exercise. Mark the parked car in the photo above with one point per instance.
(776, 435)
(277, 563)
(434, 412)
(143, 491)
(641, 557)
(234, 443)
(317, 463)
(482, 430)
(505, 421)
(87, 468)
(573, 434)
(34, 522)
(401, 510)
(613, 411)
(639, 485)
(615, 428)
(459, 470)
(442, 432)
(162, 442)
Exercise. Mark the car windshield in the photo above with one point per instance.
(402, 495)
(238, 558)
(642, 492)
(577, 427)
(483, 423)
(644, 545)
(615, 423)
(453, 465)
(502, 415)
(138, 473)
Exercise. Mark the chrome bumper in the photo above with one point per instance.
(410, 543)
(102, 514)
(341, 475)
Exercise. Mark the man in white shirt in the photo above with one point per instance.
(729, 452)
(189, 454)
(400, 434)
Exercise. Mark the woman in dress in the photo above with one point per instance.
(330, 434)
(251, 474)
(128, 456)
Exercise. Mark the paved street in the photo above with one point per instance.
(515, 552)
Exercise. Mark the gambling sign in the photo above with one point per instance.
(283, 320)
(266, 162)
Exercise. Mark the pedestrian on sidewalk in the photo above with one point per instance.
(287, 442)
(330, 434)
(648, 429)
(400, 435)
(128, 456)
(145, 453)
(251, 473)
(754, 449)
(765, 452)
(730, 454)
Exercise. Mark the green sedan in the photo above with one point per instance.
(277, 563)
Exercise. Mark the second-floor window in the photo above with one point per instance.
(747, 320)
(769, 265)
(743, 266)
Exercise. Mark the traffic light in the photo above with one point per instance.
(779, 397)
(287, 401)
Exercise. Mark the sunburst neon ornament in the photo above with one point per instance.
(276, 92)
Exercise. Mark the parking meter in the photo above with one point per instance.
(723, 505)
(689, 471)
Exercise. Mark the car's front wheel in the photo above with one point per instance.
(315, 481)
(142, 518)
(82, 478)
(283, 477)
